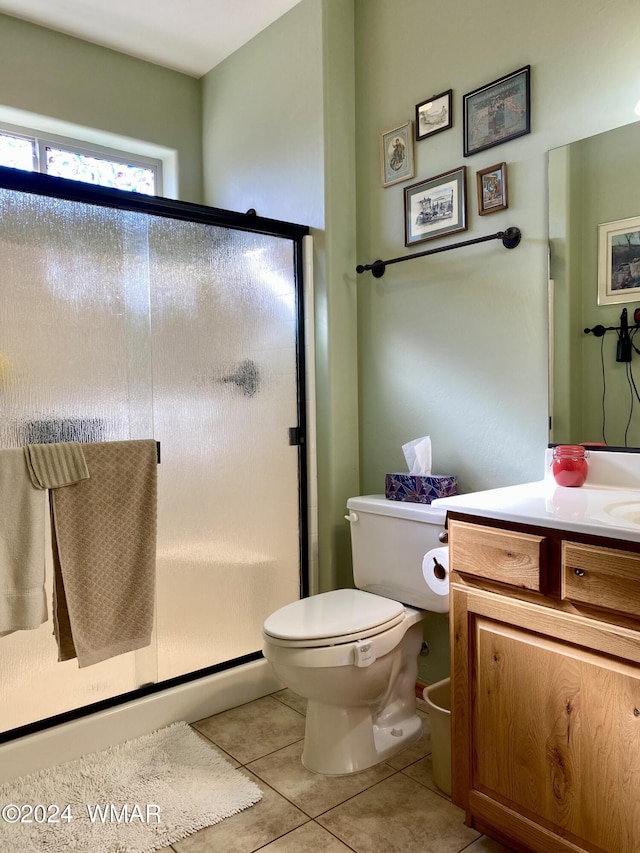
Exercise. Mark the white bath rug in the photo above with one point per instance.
(136, 797)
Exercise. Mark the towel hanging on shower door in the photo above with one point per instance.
(23, 603)
(104, 553)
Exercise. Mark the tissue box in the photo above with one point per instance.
(419, 489)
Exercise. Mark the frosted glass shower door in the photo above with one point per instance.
(75, 364)
(128, 318)
(224, 335)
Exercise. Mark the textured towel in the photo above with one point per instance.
(54, 465)
(104, 546)
(22, 548)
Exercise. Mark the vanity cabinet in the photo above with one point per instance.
(545, 634)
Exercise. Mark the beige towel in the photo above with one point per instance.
(23, 602)
(104, 537)
(53, 465)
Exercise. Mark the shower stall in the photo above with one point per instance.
(127, 317)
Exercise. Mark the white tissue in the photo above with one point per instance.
(439, 587)
(418, 456)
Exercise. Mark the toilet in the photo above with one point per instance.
(353, 653)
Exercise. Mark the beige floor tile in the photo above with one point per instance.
(249, 830)
(422, 771)
(417, 750)
(293, 700)
(253, 730)
(221, 752)
(309, 838)
(312, 792)
(487, 845)
(399, 816)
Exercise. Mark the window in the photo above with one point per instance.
(80, 161)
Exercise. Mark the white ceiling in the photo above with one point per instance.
(191, 36)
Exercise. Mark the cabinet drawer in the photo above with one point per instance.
(603, 577)
(498, 555)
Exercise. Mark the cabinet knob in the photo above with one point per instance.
(580, 573)
(443, 536)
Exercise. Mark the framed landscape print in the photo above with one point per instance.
(433, 115)
(497, 112)
(619, 261)
(396, 154)
(435, 207)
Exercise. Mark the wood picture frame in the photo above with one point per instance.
(492, 189)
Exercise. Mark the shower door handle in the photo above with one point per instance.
(296, 436)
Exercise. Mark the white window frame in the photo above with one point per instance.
(76, 146)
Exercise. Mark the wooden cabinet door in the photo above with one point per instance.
(555, 735)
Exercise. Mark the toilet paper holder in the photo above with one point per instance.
(439, 570)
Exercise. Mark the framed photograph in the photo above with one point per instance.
(434, 115)
(497, 112)
(435, 207)
(396, 154)
(619, 261)
(492, 189)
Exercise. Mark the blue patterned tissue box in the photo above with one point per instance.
(419, 489)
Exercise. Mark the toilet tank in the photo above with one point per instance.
(388, 542)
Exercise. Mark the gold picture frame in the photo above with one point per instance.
(396, 154)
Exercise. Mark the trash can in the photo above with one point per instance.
(438, 699)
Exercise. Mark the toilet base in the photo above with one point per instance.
(340, 741)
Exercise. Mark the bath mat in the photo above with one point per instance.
(136, 797)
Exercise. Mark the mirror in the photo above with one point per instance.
(594, 396)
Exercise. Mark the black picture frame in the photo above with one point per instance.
(497, 112)
(434, 115)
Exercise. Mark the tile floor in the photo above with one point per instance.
(392, 807)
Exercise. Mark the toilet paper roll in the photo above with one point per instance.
(435, 570)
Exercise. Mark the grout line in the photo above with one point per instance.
(341, 840)
(286, 705)
(278, 837)
(267, 754)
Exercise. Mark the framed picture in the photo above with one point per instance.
(619, 261)
(435, 207)
(396, 154)
(497, 112)
(433, 115)
(492, 189)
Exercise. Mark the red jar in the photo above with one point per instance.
(570, 464)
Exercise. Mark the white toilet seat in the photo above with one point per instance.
(383, 623)
(332, 618)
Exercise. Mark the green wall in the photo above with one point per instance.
(67, 83)
(279, 131)
(455, 345)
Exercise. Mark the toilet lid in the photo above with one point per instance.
(341, 615)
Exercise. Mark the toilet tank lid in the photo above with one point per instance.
(379, 505)
(340, 613)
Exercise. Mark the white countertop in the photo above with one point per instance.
(599, 508)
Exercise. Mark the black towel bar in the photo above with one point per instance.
(510, 239)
